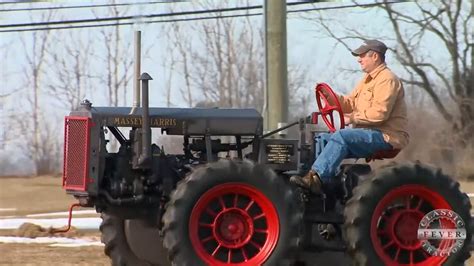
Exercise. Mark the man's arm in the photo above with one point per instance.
(347, 102)
(385, 96)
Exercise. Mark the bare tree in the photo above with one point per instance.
(70, 64)
(117, 59)
(39, 138)
(169, 67)
(224, 65)
(5, 92)
(449, 22)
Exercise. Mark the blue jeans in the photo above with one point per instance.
(331, 149)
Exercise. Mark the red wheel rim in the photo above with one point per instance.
(234, 224)
(326, 109)
(395, 222)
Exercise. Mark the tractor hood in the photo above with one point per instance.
(181, 121)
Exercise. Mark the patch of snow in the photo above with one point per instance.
(7, 209)
(73, 245)
(54, 241)
(80, 212)
(79, 223)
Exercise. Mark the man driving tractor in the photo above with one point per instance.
(376, 109)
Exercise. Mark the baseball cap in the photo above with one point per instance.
(373, 45)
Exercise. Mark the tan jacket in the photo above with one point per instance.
(378, 102)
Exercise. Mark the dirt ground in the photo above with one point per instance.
(41, 254)
(33, 195)
(44, 194)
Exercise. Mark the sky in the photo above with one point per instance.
(307, 45)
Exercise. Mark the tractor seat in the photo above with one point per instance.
(383, 154)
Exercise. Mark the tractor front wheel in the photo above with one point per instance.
(233, 213)
(383, 217)
(132, 242)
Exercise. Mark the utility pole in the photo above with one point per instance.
(276, 72)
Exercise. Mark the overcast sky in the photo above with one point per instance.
(308, 46)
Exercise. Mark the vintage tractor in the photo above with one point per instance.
(226, 200)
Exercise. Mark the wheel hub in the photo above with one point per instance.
(234, 228)
(395, 222)
(403, 226)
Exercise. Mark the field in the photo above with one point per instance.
(33, 195)
(41, 195)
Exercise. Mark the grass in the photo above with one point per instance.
(29, 195)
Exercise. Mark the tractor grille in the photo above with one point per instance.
(76, 152)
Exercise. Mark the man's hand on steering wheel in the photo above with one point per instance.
(328, 103)
(347, 119)
(328, 96)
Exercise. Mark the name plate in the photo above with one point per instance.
(280, 154)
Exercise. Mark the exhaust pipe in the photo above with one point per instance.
(145, 156)
(136, 73)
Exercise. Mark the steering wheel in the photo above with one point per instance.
(324, 97)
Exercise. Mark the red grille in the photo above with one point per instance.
(76, 152)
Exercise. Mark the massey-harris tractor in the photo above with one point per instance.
(226, 199)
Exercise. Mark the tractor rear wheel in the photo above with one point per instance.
(131, 242)
(383, 216)
(233, 213)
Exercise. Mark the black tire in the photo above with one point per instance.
(228, 174)
(145, 241)
(118, 247)
(369, 197)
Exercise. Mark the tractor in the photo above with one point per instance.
(226, 198)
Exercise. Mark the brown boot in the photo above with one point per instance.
(309, 181)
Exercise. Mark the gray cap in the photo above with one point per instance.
(373, 45)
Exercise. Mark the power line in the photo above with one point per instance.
(347, 6)
(10, 2)
(82, 6)
(132, 23)
(101, 5)
(181, 13)
(180, 20)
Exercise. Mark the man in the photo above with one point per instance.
(377, 111)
